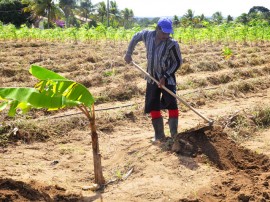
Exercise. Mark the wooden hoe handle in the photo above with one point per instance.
(174, 95)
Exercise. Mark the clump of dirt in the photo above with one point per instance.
(125, 92)
(248, 175)
(11, 190)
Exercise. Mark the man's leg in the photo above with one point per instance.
(157, 122)
(173, 122)
(152, 106)
(169, 102)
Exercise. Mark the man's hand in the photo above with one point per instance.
(161, 82)
(128, 58)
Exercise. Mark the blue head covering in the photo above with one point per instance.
(166, 25)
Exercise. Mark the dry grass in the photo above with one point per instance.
(101, 68)
(37, 126)
(262, 116)
(243, 125)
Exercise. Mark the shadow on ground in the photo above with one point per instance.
(247, 175)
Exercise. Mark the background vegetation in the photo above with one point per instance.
(75, 13)
(70, 20)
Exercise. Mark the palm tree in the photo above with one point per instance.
(217, 17)
(243, 18)
(131, 15)
(45, 8)
(114, 11)
(189, 16)
(67, 6)
(198, 20)
(102, 10)
(202, 17)
(87, 8)
(176, 20)
(108, 13)
(229, 19)
(127, 16)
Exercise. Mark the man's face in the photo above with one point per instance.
(161, 35)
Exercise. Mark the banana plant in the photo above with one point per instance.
(54, 92)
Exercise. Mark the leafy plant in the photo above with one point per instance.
(110, 73)
(262, 117)
(225, 33)
(227, 52)
(54, 92)
(118, 174)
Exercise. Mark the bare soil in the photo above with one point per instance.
(47, 156)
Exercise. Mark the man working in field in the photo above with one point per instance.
(163, 59)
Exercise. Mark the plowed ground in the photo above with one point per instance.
(47, 156)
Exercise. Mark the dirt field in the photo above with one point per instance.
(47, 156)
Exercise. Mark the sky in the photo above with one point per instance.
(161, 8)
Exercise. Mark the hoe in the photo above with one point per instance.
(204, 128)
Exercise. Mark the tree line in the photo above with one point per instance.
(74, 13)
(255, 14)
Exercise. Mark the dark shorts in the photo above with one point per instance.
(158, 99)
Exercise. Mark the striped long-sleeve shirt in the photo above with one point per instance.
(162, 60)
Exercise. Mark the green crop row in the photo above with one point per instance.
(211, 33)
(223, 33)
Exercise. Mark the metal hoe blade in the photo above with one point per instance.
(199, 129)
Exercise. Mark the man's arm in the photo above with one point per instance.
(135, 39)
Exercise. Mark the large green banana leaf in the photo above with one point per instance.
(52, 92)
(26, 98)
(54, 85)
(44, 74)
